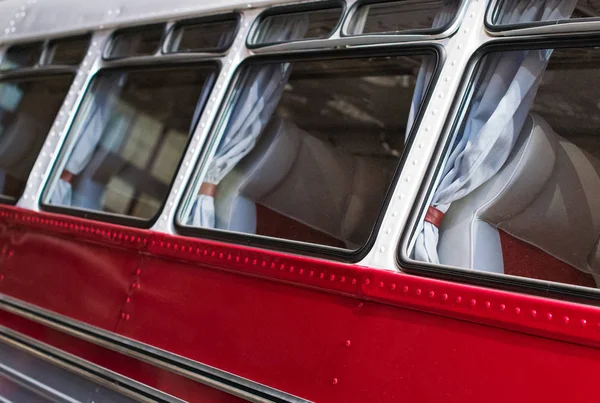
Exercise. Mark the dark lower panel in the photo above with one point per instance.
(165, 381)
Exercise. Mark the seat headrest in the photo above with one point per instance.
(562, 217)
(468, 235)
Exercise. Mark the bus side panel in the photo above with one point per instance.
(82, 280)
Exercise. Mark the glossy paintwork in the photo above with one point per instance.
(341, 334)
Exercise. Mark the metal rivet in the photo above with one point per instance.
(335, 381)
(533, 313)
(566, 320)
(473, 302)
(502, 307)
(347, 343)
(431, 294)
(549, 316)
(458, 300)
(418, 292)
(517, 310)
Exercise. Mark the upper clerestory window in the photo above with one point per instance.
(127, 140)
(513, 14)
(67, 51)
(207, 35)
(138, 41)
(403, 17)
(318, 22)
(22, 55)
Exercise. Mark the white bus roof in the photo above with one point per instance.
(26, 19)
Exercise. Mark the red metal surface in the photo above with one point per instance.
(157, 378)
(322, 330)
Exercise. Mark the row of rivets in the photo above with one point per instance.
(533, 313)
(135, 286)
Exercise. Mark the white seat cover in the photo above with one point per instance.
(547, 194)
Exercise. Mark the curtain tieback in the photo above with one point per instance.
(67, 176)
(208, 189)
(434, 216)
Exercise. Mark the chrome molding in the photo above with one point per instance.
(32, 385)
(202, 373)
(74, 364)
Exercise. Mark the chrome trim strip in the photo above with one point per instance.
(199, 372)
(34, 386)
(86, 369)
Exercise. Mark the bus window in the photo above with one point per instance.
(204, 36)
(68, 51)
(504, 15)
(28, 107)
(139, 41)
(23, 55)
(394, 17)
(310, 148)
(128, 138)
(313, 24)
(524, 197)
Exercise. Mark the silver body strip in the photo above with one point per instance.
(205, 374)
(33, 385)
(80, 367)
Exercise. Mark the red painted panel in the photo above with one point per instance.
(84, 281)
(285, 320)
(280, 335)
(157, 378)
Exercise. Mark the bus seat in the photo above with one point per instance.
(547, 195)
(302, 177)
(19, 146)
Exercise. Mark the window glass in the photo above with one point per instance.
(310, 148)
(315, 24)
(404, 15)
(204, 36)
(25, 55)
(69, 51)
(523, 197)
(142, 41)
(28, 108)
(131, 125)
(510, 12)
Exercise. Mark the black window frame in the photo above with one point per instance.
(167, 47)
(354, 9)
(293, 9)
(58, 163)
(493, 8)
(48, 60)
(454, 119)
(219, 125)
(30, 74)
(106, 54)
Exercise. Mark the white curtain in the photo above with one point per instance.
(446, 14)
(88, 135)
(261, 90)
(507, 85)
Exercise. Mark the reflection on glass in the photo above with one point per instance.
(143, 41)
(527, 203)
(25, 55)
(204, 36)
(317, 24)
(68, 51)
(128, 139)
(404, 15)
(27, 109)
(509, 12)
(310, 148)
